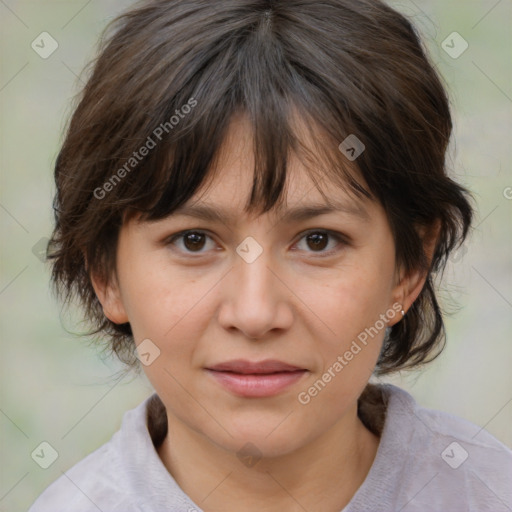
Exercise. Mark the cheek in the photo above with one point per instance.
(157, 296)
(349, 307)
(168, 308)
(353, 299)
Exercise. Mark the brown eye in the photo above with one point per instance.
(190, 241)
(317, 241)
(193, 241)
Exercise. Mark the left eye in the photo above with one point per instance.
(194, 241)
(319, 239)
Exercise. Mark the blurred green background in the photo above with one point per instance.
(56, 387)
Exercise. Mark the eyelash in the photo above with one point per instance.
(341, 239)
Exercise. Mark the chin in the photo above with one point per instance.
(258, 442)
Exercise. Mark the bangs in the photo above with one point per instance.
(192, 163)
(252, 74)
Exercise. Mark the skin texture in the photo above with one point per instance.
(291, 304)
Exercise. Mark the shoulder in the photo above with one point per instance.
(432, 424)
(99, 481)
(124, 475)
(93, 481)
(444, 461)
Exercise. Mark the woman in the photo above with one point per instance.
(252, 202)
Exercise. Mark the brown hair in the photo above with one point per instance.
(170, 76)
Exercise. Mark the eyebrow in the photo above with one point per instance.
(295, 214)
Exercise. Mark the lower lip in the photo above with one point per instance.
(252, 385)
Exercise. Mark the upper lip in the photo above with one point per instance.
(264, 367)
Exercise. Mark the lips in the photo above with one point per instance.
(256, 379)
(247, 367)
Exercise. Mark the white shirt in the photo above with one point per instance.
(427, 460)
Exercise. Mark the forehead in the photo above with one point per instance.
(225, 197)
(308, 189)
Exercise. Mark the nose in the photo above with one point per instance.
(255, 298)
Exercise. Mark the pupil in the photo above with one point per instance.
(192, 240)
(319, 240)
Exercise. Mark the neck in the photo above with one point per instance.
(320, 476)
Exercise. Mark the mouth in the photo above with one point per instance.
(256, 379)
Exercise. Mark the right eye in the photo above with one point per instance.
(190, 241)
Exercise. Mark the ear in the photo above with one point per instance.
(409, 286)
(109, 295)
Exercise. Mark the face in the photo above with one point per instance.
(262, 329)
